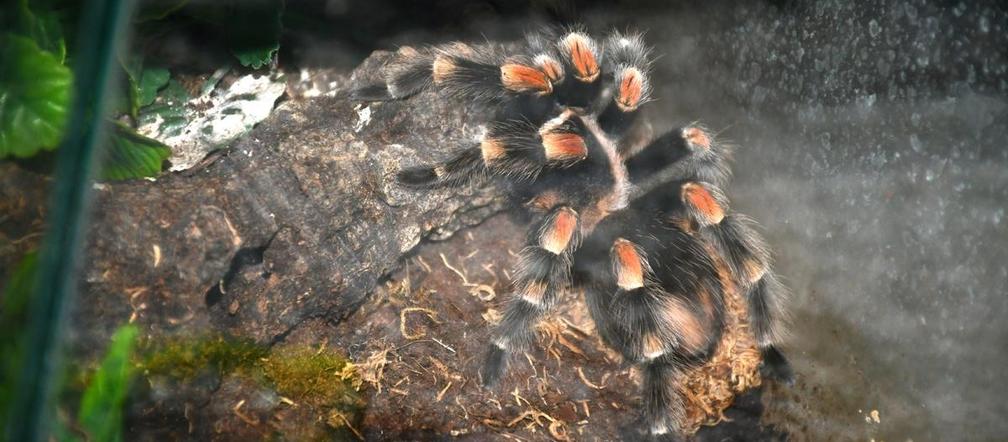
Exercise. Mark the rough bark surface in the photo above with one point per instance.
(297, 220)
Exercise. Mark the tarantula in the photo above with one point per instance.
(654, 259)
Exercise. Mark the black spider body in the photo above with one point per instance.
(644, 229)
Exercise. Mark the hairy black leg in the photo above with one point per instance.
(542, 272)
(663, 412)
(482, 73)
(690, 153)
(747, 259)
(408, 73)
(465, 167)
(581, 58)
(776, 366)
(627, 58)
(512, 149)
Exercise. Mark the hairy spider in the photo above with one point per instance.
(654, 259)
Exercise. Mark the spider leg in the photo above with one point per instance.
(658, 302)
(482, 73)
(581, 56)
(690, 153)
(747, 258)
(542, 272)
(514, 149)
(671, 316)
(627, 57)
(408, 73)
(663, 408)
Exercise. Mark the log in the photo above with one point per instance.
(297, 220)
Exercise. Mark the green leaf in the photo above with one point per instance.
(256, 58)
(143, 82)
(168, 110)
(131, 155)
(251, 28)
(101, 407)
(34, 97)
(44, 28)
(151, 81)
(133, 67)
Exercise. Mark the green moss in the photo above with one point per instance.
(185, 358)
(318, 378)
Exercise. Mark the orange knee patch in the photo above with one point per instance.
(544, 201)
(754, 270)
(697, 137)
(652, 346)
(564, 146)
(628, 265)
(552, 68)
(520, 78)
(559, 232)
(631, 89)
(442, 68)
(581, 51)
(492, 150)
(534, 293)
(703, 202)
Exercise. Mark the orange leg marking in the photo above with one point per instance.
(559, 233)
(631, 89)
(698, 197)
(521, 78)
(563, 146)
(629, 265)
(697, 137)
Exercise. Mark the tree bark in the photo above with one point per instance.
(299, 219)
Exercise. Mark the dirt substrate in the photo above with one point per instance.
(420, 339)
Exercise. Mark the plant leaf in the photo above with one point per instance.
(256, 58)
(251, 28)
(151, 81)
(131, 155)
(101, 406)
(143, 82)
(254, 36)
(168, 111)
(34, 97)
(44, 28)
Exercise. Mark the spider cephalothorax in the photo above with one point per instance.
(643, 228)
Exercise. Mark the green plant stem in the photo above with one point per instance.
(104, 25)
